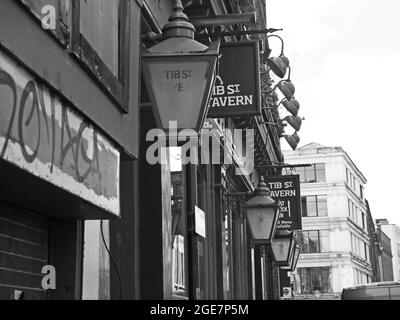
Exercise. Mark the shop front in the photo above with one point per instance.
(195, 241)
(68, 144)
(57, 170)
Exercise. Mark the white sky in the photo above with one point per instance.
(345, 59)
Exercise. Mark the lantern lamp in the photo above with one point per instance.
(262, 213)
(179, 73)
(294, 259)
(283, 247)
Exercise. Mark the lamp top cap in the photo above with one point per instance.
(179, 25)
(262, 189)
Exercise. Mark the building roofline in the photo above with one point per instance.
(340, 149)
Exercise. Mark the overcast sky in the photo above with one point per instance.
(345, 58)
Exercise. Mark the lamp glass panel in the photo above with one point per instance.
(296, 258)
(281, 247)
(261, 221)
(178, 89)
(292, 259)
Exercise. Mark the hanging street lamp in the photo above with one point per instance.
(283, 247)
(262, 213)
(294, 259)
(179, 73)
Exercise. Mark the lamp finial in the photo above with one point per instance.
(179, 24)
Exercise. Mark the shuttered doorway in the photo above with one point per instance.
(23, 252)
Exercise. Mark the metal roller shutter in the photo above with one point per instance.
(23, 252)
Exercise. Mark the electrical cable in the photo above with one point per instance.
(112, 260)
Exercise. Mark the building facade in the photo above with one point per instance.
(335, 240)
(393, 232)
(76, 190)
(385, 257)
(68, 143)
(374, 247)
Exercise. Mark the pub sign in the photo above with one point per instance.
(285, 190)
(237, 87)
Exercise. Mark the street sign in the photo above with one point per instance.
(286, 191)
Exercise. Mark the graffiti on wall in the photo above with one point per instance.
(43, 135)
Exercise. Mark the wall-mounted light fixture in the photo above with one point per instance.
(293, 106)
(279, 65)
(286, 86)
(295, 122)
(293, 140)
(179, 73)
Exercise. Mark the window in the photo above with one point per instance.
(101, 31)
(314, 206)
(179, 226)
(349, 206)
(347, 175)
(320, 172)
(360, 248)
(103, 44)
(315, 173)
(313, 279)
(97, 33)
(363, 220)
(366, 249)
(352, 242)
(314, 241)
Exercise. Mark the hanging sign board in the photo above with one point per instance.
(237, 87)
(286, 191)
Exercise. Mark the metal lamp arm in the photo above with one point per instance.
(283, 44)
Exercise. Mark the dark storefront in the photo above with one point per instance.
(68, 139)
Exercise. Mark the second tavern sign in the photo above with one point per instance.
(286, 191)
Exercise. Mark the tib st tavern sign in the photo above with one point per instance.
(286, 191)
(237, 87)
